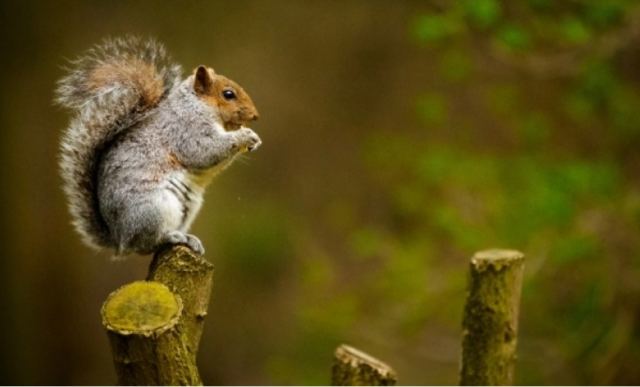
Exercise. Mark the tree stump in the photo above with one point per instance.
(352, 367)
(155, 326)
(148, 346)
(190, 276)
(490, 323)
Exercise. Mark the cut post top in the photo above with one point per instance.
(496, 258)
(143, 308)
(348, 354)
(179, 259)
(355, 357)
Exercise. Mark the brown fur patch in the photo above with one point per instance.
(173, 160)
(139, 74)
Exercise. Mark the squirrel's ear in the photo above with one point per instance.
(203, 82)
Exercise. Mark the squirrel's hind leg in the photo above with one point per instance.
(146, 224)
(136, 228)
(143, 228)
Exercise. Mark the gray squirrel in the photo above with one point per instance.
(143, 144)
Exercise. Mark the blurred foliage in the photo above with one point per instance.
(259, 250)
(540, 158)
(554, 174)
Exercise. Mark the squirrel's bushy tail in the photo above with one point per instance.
(109, 89)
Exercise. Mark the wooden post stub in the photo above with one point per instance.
(148, 346)
(190, 276)
(490, 322)
(352, 367)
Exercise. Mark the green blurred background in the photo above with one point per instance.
(399, 138)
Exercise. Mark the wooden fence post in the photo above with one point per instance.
(352, 367)
(490, 323)
(155, 326)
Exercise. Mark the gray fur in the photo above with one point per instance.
(135, 175)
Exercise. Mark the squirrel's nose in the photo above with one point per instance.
(255, 117)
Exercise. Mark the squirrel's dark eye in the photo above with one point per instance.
(229, 94)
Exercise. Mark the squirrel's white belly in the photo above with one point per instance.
(181, 200)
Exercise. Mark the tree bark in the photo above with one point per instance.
(490, 323)
(148, 346)
(190, 276)
(352, 367)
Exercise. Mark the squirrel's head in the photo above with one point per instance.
(234, 105)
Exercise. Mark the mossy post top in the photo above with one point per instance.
(141, 308)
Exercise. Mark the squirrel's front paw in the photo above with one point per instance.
(248, 140)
